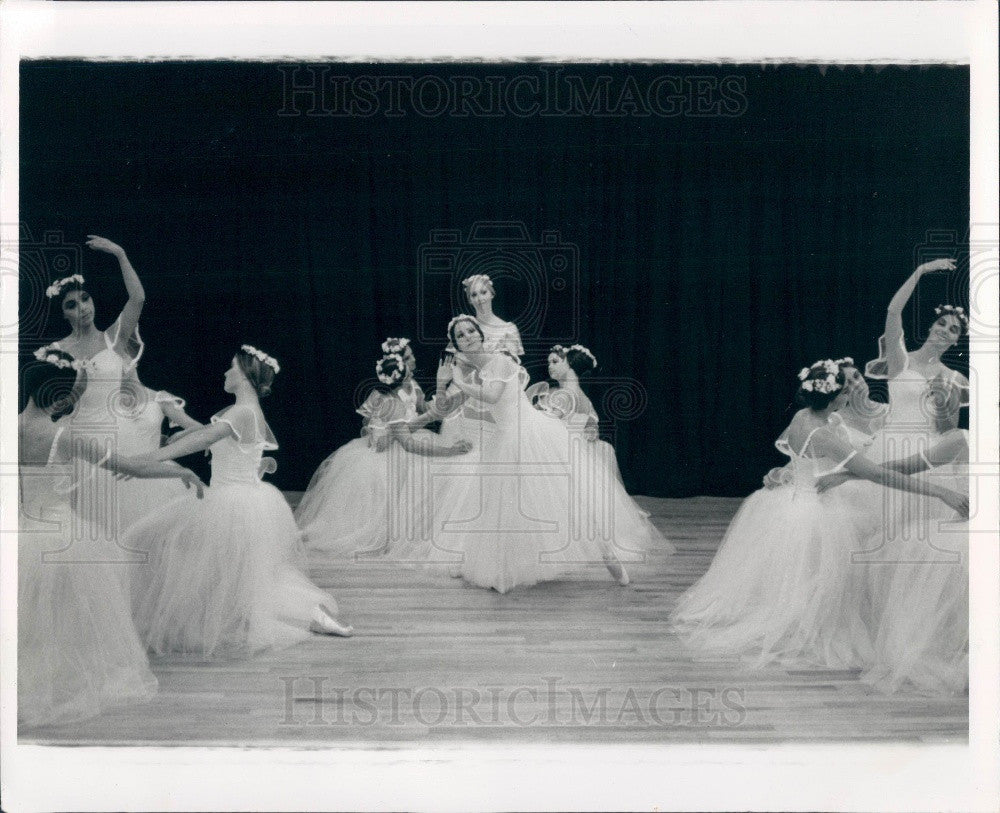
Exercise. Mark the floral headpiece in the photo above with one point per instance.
(390, 378)
(261, 356)
(468, 282)
(45, 354)
(56, 287)
(953, 310)
(391, 345)
(562, 351)
(846, 361)
(460, 318)
(828, 383)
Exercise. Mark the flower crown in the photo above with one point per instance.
(390, 378)
(45, 354)
(562, 351)
(828, 383)
(953, 310)
(461, 317)
(392, 345)
(56, 287)
(468, 282)
(262, 357)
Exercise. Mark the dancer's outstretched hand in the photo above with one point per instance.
(103, 244)
(189, 478)
(936, 265)
(462, 447)
(445, 373)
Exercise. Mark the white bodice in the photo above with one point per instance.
(807, 468)
(44, 488)
(237, 459)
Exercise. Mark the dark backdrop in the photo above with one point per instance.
(704, 251)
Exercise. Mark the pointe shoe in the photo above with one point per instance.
(324, 623)
(617, 570)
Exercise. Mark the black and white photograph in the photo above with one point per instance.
(592, 416)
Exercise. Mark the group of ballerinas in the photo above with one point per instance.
(114, 566)
(855, 555)
(514, 488)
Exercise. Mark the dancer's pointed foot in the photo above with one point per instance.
(325, 623)
(617, 570)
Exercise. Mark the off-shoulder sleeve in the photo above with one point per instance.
(246, 427)
(379, 411)
(136, 344)
(164, 397)
(879, 368)
(500, 367)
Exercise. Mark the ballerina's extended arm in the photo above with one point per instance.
(894, 350)
(194, 440)
(131, 466)
(830, 446)
(129, 317)
(426, 445)
(175, 413)
(951, 448)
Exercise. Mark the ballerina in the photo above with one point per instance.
(782, 585)
(924, 394)
(352, 506)
(465, 420)
(598, 477)
(219, 578)
(511, 513)
(98, 416)
(78, 651)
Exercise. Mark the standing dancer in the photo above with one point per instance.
(78, 652)
(782, 585)
(353, 500)
(220, 578)
(467, 421)
(511, 515)
(99, 413)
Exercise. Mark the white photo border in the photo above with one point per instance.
(704, 777)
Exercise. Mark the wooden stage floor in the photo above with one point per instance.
(434, 660)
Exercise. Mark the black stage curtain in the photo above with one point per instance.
(758, 219)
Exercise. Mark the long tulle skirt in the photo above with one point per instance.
(78, 651)
(783, 585)
(532, 503)
(220, 577)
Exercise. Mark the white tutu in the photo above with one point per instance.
(783, 586)
(357, 503)
(922, 639)
(220, 578)
(78, 652)
(526, 505)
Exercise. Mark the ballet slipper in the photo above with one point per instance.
(325, 623)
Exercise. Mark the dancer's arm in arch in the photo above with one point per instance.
(827, 444)
(129, 317)
(895, 352)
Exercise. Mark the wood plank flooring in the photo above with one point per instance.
(585, 661)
